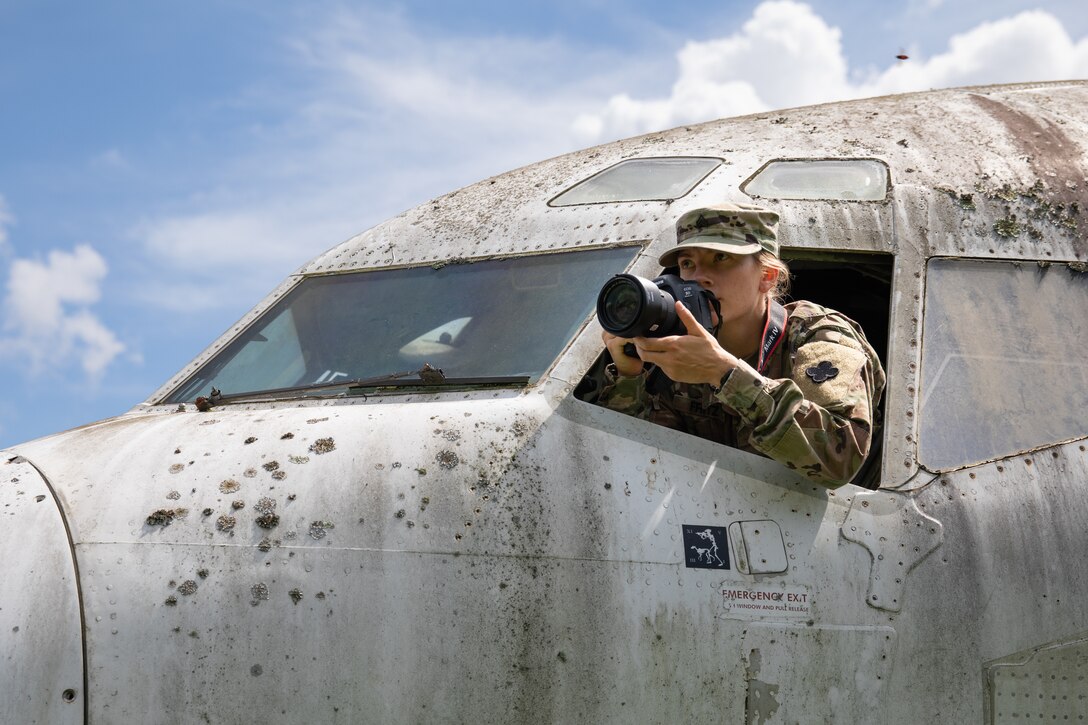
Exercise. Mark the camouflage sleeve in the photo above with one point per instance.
(625, 394)
(818, 424)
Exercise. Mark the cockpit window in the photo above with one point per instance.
(657, 179)
(847, 179)
(498, 318)
(1003, 364)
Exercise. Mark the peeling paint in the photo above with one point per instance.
(761, 702)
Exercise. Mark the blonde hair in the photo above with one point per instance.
(782, 282)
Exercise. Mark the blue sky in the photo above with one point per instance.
(163, 166)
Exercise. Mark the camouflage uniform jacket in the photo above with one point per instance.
(812, 409)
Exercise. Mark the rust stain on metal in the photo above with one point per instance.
(1049, 151)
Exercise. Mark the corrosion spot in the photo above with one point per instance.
(250, 472)
(187, 587)
(260, 592)
(251, 439)
(202, 573)
(271, 466)
(296, 595)
(163, 517)
(265, 505)
(447, 459)
(229, 486)
(225, 523)
(256, 670)
(298, 459)
(318, 529)
(279, 475)
(177, 468)
(171, 601)
(322, 445)
(287, 436)
(265, 544)
(268, 520)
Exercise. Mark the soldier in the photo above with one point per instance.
(797, 383)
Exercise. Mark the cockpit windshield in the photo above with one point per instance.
(494, 319)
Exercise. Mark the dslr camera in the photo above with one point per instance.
(631, 306)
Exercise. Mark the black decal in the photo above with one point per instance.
(705, 547)
(824, 371)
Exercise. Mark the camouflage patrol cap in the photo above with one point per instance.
(726, 227)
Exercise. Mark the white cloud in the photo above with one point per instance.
(786, 56)
(387, 115)
(1032, 46)
(47, 315)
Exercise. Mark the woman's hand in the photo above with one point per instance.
(692, 358)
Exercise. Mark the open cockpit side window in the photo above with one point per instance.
(858, 285)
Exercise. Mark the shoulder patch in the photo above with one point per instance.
(833, 390)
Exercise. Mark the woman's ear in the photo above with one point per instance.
(768, 280)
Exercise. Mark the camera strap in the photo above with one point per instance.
(773, 330)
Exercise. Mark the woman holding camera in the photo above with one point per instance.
(797, 383)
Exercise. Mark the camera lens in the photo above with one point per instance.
(630, 306)
(621, 303)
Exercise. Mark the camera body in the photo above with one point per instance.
(632, 306)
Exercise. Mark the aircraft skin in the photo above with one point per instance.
(515, 554)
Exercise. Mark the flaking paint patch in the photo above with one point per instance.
(761, 702)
